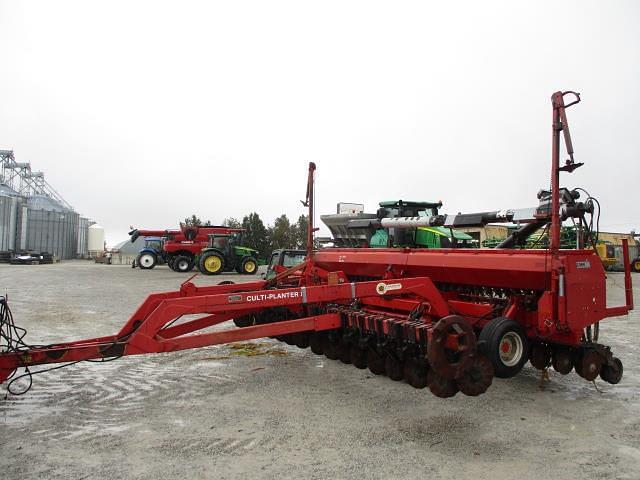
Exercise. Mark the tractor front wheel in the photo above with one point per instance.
(635, 266)
(147, 260)
(182, 264)
(211, 263)
(249, 266)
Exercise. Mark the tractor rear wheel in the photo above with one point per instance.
(504, 342)
(635, 265)
(211, 263)
(249, 266)
(181, 264)
(147, 260)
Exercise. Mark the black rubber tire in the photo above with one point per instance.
(170, 263)
(181, 264)
(490, 341)
(635, 265)
(146, 265)
(203, 259)
(245, 266)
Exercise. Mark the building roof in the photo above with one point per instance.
(125, 247)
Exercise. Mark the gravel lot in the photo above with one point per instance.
(195, 415)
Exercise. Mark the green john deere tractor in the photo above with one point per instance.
(225, 254)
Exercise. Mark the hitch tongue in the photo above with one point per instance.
(5, 373)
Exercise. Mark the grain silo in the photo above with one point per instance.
(9, 202)
(95, 240)
(50, 227)
(83, 238)
(33, 215)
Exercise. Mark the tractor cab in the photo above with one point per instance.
(225, 253)
(281, 260)
(151, 254)
(154, 243)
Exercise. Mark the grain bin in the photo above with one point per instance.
(9, 201)
(50, 227)
(83, 238)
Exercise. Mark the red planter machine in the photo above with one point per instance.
(447, 319)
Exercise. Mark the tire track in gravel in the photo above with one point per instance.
(197, 446)
(98, 399)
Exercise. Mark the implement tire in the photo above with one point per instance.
(504, 342)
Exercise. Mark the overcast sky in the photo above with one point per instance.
(142, 113)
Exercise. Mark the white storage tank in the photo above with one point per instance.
(95, 240)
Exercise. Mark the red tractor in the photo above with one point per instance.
(180, 248)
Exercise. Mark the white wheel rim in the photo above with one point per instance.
(182, 265)
(510, 349)
(146, 260)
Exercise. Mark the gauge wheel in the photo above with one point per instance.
(504, 342)
(147, 260)
(211, 263)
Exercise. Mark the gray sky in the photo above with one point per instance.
(145, 112)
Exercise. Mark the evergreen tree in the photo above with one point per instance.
(300, 232)
(232, 222)
(256, 235)
(282, 233)
(194, 221)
